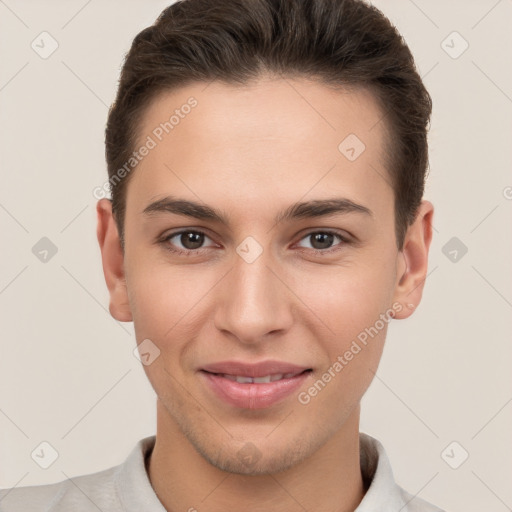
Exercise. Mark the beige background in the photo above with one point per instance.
(67, 372)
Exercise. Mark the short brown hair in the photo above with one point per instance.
(341, 43)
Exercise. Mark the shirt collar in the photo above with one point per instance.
(132, 480)
(383, 492)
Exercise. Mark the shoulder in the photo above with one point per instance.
(81, 494)
(111, 490)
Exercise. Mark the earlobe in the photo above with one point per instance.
(113, 262)
(413, 270)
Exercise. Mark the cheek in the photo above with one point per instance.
(161, 297)
(171, 306)
(351, 347)
(347, 298)
(164, 301)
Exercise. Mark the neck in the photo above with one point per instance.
(329, 480)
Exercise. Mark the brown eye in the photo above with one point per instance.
(186, 241)
(191, 240)
(323, 240)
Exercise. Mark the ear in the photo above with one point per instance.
(412, 261)
(113, 262)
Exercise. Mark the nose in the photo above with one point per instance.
(253, 302)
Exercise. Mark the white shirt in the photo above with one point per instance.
(127, 488)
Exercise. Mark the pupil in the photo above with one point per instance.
(322, 240)
(192, 240)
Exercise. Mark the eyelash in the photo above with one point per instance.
(193, 252)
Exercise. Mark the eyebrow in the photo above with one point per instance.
(300, 210)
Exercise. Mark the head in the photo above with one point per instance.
(299, 130)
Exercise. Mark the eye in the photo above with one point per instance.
(322, 240)
(187, 241)
(190, 242)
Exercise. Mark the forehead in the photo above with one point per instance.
(275, 138)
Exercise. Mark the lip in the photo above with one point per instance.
(253, 395)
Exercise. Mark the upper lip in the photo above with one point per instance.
(260, 369)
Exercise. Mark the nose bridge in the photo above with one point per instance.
(253, 301)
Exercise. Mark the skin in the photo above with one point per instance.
(251, 151)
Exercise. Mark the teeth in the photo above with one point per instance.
(261, 380)
(243, 380)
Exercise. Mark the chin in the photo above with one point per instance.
(255, 458)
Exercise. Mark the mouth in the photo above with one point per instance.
(253, 386)
(242, 379)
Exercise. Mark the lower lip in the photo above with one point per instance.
(253, 395)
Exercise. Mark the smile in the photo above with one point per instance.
(251, 392)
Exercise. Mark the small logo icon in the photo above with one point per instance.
(146, 352)
(454, 45)
(44, 250)
(454, 455)
(249, 454)
(44, 45)
(351, 147)
(44, 455)
(454, 249)
(249, 250)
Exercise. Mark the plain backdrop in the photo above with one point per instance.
(68, 375)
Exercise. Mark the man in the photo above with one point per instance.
(267, 161)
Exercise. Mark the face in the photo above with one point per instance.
(286, 265)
